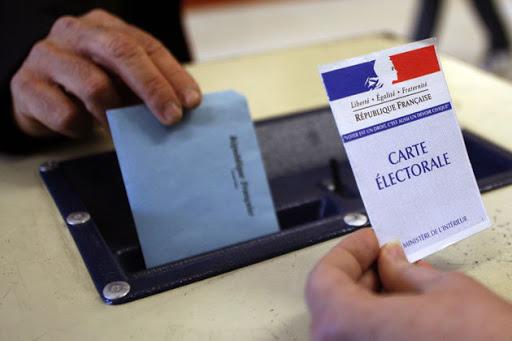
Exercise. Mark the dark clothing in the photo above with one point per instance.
(24, 22)
(430, 10)
(498, 39)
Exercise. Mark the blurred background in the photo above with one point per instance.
(227, 28)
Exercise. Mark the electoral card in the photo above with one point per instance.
(397, 123)
(196, 186)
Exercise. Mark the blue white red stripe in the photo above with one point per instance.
(356, 79)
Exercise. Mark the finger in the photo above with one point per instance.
(99, 15)
(370, 280)
(41, 103)
(31, 126)
(337, 290)
(86, 81)
(397, 274)
(182, 82)
(337, 274)
(354, 254)
(424, 264)
(118, 52)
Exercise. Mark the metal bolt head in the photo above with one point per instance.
(328, 185)
(48, 166)
(78, 218)
(116, 290)
(355, 219)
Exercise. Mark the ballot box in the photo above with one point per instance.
(312, 186)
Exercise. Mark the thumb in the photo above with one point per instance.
(397, 274)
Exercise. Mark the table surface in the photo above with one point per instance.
(46, 292)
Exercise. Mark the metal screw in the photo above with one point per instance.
(78, 218)
(328, 185)
(116, 290)
(48, 166)
(355, 219)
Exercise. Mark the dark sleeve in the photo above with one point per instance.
(163, 20)
(24, 22)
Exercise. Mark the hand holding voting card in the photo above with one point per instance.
(396, 120)
(196, 186)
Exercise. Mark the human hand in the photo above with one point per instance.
(417, 302)
(71, 77)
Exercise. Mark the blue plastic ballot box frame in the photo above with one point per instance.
(312, 186)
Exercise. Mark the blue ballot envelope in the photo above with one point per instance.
(198, 185)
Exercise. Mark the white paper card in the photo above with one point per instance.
(397, 123)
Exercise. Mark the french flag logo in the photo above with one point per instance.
(375, 74)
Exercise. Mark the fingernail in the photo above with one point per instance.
(394, 250)
(172, 113)
(191, 97)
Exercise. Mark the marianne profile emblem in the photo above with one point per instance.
(386, 74)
